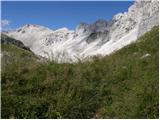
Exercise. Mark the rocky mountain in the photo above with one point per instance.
(100, 38)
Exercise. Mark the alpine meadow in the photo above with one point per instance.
(108, 69)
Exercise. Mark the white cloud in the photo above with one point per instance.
(5, 22)
(5, 25)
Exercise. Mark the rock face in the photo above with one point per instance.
(5, 40)
(102, 37)
(149, 17)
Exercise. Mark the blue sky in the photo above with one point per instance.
(55, 15)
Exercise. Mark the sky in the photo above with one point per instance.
(54, 14)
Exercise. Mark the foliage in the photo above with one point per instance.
(120, 85)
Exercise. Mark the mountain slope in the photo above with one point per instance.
(14, 51)
(100, 38)
(123, 84)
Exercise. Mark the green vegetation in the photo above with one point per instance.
(121, 85)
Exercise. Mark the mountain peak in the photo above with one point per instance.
(31, 28)
(82, 28)
(99, 26)
(64, 29)
(100, 21)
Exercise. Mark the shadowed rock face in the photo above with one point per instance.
(98, 26)
(10, 41)
(97, 35)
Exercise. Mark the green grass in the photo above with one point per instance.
(121, 85)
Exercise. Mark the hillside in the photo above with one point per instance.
(123, 84)
(15, 52)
